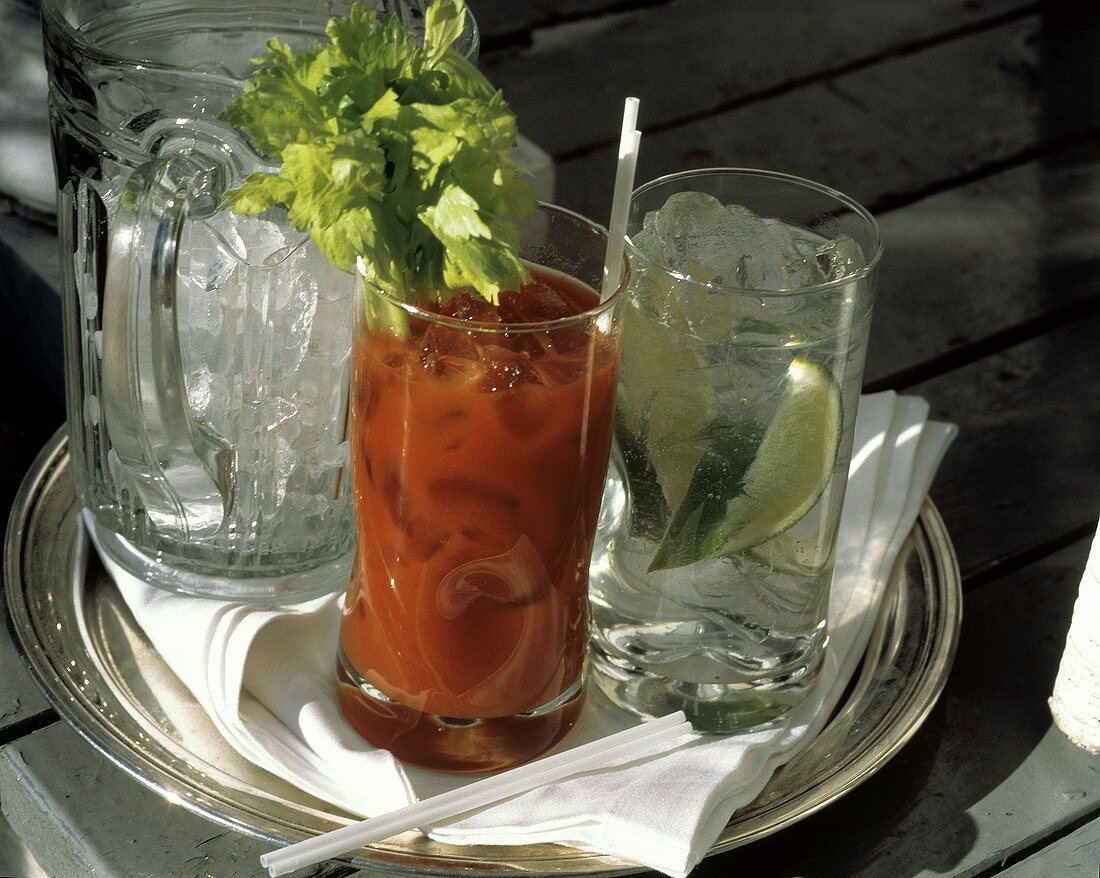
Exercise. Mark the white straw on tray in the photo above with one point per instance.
(479, 794)
(630, 140)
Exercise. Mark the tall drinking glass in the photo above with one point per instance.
(206, 353)
(745, 331)
(480, 438)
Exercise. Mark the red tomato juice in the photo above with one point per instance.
(478, 463)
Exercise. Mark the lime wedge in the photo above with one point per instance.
(742, 493)
(719, 475)
(665, 399)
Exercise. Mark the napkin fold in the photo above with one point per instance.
(265, 677)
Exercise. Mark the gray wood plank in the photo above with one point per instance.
(986, 777)
(498, 18)
(964, 264)
(80, 815)
(902, 126)
(690, 57)
(1075, 856)
(16, 860)
(21, 701)
(1026, 466)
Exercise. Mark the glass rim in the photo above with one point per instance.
(601, 307)
(779, 176)
(53, 14)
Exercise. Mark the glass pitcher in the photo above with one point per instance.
(206, 353)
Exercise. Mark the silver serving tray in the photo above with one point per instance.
(101, 674)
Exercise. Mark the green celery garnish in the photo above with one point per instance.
(391, 151)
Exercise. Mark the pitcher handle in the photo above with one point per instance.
(181, 469)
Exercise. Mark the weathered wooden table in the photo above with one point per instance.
(972, 130)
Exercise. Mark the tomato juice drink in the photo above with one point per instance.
(480, 443)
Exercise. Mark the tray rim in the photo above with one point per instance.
(919, 701)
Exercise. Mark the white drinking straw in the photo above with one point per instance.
(480, 794)
(629, 141)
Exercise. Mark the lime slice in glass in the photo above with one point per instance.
(665, 400)
(745, 492)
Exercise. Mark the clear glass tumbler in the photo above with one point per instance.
(207, 354)
(745, 330)
(480, 440)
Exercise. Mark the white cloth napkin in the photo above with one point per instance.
(265, 677)
(1075, 701)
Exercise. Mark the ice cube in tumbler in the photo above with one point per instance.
(730, 246)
